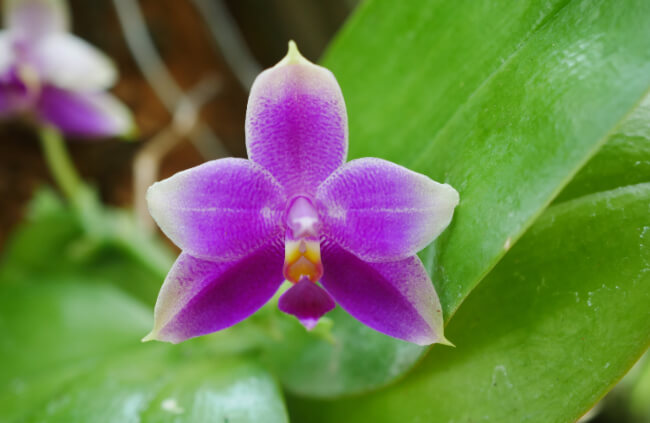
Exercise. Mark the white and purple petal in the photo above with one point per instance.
(79, 114)
(71, 63)
(220, 210)
(201, 297)
(15, 95)
(307, 301)
(381, 211)
(395, 298)
(33, 20)
(296, 123)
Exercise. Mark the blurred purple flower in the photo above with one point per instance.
(297, 211)
(54, 77)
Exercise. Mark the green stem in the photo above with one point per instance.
(60, 164)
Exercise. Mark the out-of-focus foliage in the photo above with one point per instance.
(76, 357)
(71, 339)
(99, 244)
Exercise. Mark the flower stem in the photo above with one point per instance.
(60, 164)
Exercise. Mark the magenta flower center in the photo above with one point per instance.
(302, 243)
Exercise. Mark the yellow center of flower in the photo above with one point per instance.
(302, 244)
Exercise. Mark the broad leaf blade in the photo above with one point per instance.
(351, 358)
(623, 160)
(548, 332)
(71, 353)
(505, 101)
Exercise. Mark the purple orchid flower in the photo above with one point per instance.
(54, 77)
(343, 233)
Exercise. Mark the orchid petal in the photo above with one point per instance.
(220, 210)
(381, 211)
(296, 123)
(201, 297)
(32, 20)
(71, 63)
(395, 298)
(84, 114)
(307, 301)
(14, 94)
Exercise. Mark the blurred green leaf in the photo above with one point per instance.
(559, 321)
(104, 245)
(71, 353)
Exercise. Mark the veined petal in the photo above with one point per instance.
(201, 297)
(296, 123)
(307, 301)
(96, 114)
(220, 210)
(395, 298)
(381, 211)
(71, 63)
(31, 20)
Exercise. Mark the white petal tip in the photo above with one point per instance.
(151, 336)
(445, 341)
(293, 56)
(309, 324)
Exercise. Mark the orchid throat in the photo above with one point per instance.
(302, 257)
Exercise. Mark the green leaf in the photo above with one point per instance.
(503, 100)
(56, 243)
(71, 353)
(556, 324)
(623, 160)
(328, 366)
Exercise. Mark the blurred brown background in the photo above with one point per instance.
(197, 40)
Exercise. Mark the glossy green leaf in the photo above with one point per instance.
(72, 353)
(505, 101)
(623, 160)
(557, 323)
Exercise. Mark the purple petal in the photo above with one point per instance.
(15, 96)
(69, 62)
(383, 212)
(84, 114)
(201, 297)
(395, 298)
(31, 20)
(220, 210)
(307, 301)
(296, 124)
